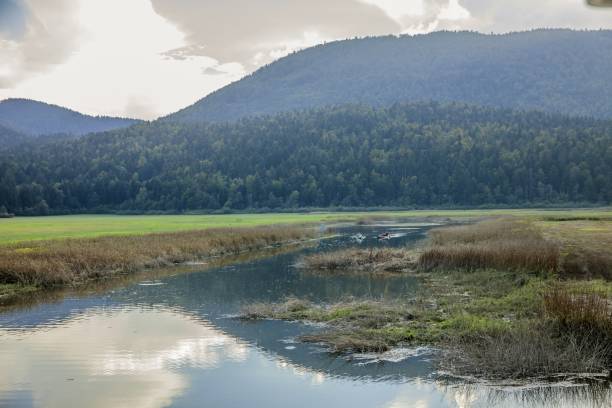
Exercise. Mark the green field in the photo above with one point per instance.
(19, 229)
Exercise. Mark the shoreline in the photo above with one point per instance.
(36, 268)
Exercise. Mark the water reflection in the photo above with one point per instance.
(545, 395)
(111, 357)
(167, 340)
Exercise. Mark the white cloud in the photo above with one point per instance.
(120, 67)
(398, 9)
(41, 35)
(254, 32)
(145, 58)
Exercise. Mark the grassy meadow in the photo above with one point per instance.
(19, 229)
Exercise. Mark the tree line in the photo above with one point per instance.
(421, 154)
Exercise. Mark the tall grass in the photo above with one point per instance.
(572, 335)
(73, 261)
(360, 259)
(499, 244)
(585, 263)
(584, 312)
(527, 350)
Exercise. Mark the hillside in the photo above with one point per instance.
(408, 154)
(552, 70)
(37, 118)
(9, 137)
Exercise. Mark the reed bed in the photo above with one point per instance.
(528, 350)
(497, 244)
(73, 261)
(587, 264)
(359, 259)
(572, 336)
(586, 311)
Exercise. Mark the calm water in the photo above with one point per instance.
(172, 342)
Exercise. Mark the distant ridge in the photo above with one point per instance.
(554, 70)
(36, 118)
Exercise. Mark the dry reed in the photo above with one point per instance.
(73, 261)
(587, 264)
(531, 349)
(586, 312)
(498, 244)
(358, 259)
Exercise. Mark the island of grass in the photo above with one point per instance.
(508, 298)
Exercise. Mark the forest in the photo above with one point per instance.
(409, 155)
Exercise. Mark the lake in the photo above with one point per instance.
(172, 340)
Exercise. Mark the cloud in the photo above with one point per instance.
(500, 17)
(254, 32)
(145, 58)
(13, 16)
(36, 36)
(118, 66)
(212, 71)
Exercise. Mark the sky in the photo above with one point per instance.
(148, 58)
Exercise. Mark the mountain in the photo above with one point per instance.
(38, 118)
(560, 71)
(406, 155)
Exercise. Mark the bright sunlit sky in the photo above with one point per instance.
(146, 58)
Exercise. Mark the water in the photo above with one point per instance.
(169, 340)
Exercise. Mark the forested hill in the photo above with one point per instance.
(38, 118)
(421, 154)
(9, 137)
(553, 70)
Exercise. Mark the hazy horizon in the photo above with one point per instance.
(148, 58)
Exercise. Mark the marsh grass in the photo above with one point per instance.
(586, 312)
(360, 259)
(495, 297)
(586, 246)
(586, 263)
(572, 335)
(503, 244)
(525, 350)
(74, 261)
(511, 326)
(356, 326)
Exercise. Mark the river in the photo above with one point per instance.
(172, 340)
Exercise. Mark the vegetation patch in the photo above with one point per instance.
(504, 244)
(505, 309)
(362, 259)
(49, 264)
(353, 326)
(586, 246)
(9, 293)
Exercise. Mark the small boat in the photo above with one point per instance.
(384, 235)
